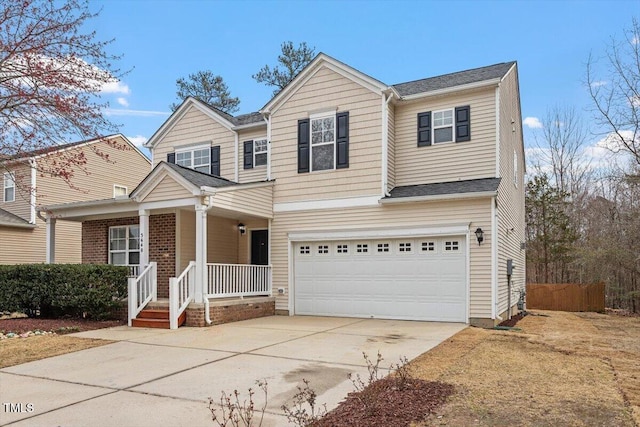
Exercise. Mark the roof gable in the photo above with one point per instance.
(320, 61)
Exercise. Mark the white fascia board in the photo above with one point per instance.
(435, 198)
(165, 204)
(353, 202)
(476, 85)
(213, 190)
(380, 233)
(17, 225)
(249, 126)
(91, 208)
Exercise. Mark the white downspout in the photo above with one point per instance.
(267, 118)
(237, 153)
(32, 192)
(385, 143)
(494, 260)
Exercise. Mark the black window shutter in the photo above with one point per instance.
(303, 145)
(248, 154)
(171, 157)
(424, 129)
(215, 160)
(342, 140)
(463, 128)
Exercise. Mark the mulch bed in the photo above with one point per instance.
(386, 405)
(514, 319)
(59, 326)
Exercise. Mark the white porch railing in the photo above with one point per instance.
(238, 280)
(134, 270)
(181, 292)
(142, 290)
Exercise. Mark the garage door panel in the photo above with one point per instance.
(401, 281)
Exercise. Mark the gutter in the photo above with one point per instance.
(437, 197)
(10, 224)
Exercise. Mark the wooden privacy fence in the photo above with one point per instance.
(566, 297)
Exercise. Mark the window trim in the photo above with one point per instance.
(322, 116)
(116, 186)
(434, 127)
(9, 178)
(192, 151)
(266, 151)
(127, 250)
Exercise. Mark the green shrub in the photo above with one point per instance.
(63, 290)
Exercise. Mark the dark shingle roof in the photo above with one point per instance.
(51, 149)
(444, 188)
(454, 79)
(242, 119)
(9, 219)
(200, 179)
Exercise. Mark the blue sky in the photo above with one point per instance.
(392, 41)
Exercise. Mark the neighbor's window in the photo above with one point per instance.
(9, 187)
(259, 152)
(443, 126)
(124, 245)
(119, 190)
(323, 143)
(198, 159)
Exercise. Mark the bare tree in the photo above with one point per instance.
(208, 88)
(52, 70)
(616, 94)
(292, 60)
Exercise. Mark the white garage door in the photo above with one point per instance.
(413, 279)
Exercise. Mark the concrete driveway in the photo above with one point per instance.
(152, 377)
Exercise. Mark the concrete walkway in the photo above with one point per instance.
(154, 377)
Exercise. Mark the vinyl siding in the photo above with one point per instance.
(196, 128)
(222, 244)
(167, 189)
(251, 201)
(257, 173)
(186, 223)
(446, 161)
(511, 210)
(476, 212)
(124, 167)
(328, 90)
(244, 243)
(391, 151)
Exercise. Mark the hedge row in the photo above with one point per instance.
(63, 290)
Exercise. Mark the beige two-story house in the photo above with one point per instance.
(342, 196)
(107, 167)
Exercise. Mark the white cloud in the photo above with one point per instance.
(598, 83)
(139, 113)
(138, 140)
(115, 86)
(122, 101)
(532, 122)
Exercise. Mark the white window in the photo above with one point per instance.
(304, 250)
(323, 249)
(259, 152)
(119, 190)
(404, 247)
(515, 168)
(124, 245)
(362, 248)
(343, 249)
(383, 247)
(428, 246)
(443, 126)
(9, 187)
(323, 143)
(198, 159)
(451, 246)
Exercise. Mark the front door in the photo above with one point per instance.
(260, 247)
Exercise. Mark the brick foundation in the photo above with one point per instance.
(161, 243)
(232, 310)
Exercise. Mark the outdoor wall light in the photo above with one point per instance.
(479, 235)
(242, 229)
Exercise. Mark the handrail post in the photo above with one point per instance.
(133, 298)
(154, 281)
(173, 303)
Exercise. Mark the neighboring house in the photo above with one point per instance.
(115, 171)
(358, 198)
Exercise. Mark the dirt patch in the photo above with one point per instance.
(17, 351)
(514, 319)
(60, 326)
(385, 404)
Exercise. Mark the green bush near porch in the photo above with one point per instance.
(63, 290)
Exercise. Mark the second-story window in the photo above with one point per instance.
(323, 132)
(443, 126)
(197, 159)
(259, 152)
(9, 187)
(452, 124)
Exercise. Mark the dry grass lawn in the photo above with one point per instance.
(15, 351)
(566, 369)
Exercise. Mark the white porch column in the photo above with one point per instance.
(201, 252)
(51, 241)
(144, 238)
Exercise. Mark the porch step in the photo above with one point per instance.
(156, 318)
